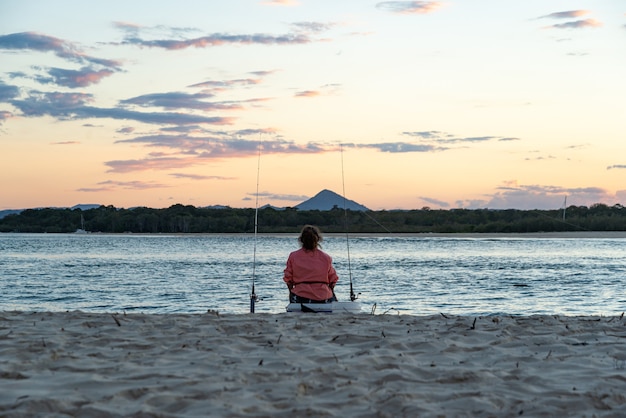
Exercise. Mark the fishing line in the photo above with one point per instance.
(345, 212)
(377, 223)
(563, 221)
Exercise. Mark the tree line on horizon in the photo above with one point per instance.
(189, 219)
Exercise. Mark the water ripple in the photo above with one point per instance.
(413, 275)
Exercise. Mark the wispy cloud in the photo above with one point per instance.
(72, 106)
(575, 24)
(577, 54)
(616, 167)
(93, 71)
(199, 177)
(65, 143)
(566, 15)
(220, 39)
(43, 43)
(126, 130)
(431, 135)
(409, 7)
(252, 132)
(178, 100)
(428, 141)
(578, 146)
(127, 26)
(221, 84)
(194, 150)
(437, 202)
(324, 90)
(178, 38)
(218, 146)
(401, 147)
(307, 93)
(276, 196)
(438, 137)
(133, 29)
(578, 24)
(84, 77)
(528, 197)
(540, 158)
(196, 147)
(111, 185)
(8, 91)
(4, 115)
(156, 163)
(313, 27)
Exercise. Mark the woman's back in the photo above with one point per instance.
(309, 273)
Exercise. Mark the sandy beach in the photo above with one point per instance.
(286, 365)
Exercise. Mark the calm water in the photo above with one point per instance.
(409, 275)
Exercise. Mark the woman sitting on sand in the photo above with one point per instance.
(310, 275)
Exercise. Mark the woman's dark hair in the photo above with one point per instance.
(310, 237)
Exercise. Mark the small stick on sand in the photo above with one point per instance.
(116, 321)
(373, 309)
(473, 324)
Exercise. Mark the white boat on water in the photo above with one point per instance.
(82, 229)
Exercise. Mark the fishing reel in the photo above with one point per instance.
(254, 298)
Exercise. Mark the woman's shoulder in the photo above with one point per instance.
(323, 254)
(297, 252)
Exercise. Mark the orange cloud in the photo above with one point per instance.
(567, 15)
(65, 143)
(409, 7)
(577, 24)
(197, 151)
(126, 25)
(168, 163)
(4, 115)
(199, 177)
(109, 185)
(307, 93)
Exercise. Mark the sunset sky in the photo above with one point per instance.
(446, 104)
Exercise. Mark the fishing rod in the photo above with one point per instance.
(353, 297)
(253, 296)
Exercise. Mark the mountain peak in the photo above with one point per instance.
(327, 200)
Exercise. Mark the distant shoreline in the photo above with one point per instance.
(471, 235)
(571, 234)
(566, 234)
(188, 219)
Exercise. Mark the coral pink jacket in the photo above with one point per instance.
(310, 274)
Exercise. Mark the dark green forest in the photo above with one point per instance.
(189, 219)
